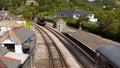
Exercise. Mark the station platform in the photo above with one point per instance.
(88, 39)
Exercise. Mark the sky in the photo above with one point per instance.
(91, 0)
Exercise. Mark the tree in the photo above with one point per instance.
(112, 29)
(82, 18)
(28, 16)
(110, 4)
(2, 3)
(94, 28)
(16, 2)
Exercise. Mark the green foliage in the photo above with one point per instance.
(49, 19)
(73, 23)
(109, 17)
(117, 36)
(28, 16)
(2, 4)
(90, 27)
(83, 18)
(112, 29)
(67, 19)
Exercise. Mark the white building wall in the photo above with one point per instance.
(91, 16)
(5, 28)
(93, 20)
(2, 45)
(21, 22)
(18, 48)
(76, 16)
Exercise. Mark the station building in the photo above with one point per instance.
(16, 47)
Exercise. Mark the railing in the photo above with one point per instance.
(29, 63)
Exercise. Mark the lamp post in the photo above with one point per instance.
(80, 28)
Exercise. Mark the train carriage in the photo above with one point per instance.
(108, 56)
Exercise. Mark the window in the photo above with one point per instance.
(91, 15)
(77, 15)
(10, 47)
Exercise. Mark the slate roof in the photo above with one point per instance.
(24, 34)
(3, 50)
(111, 53)
(67, 12)
(8, 63)
(20, 35)
(11, 63)
(2, 65)
(14, 60)
(17, 56)
(81, 12)
(71, 12)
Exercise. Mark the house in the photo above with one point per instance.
(16, 46)
(29, 2)
(10, 59)
(75, 14)
(3, 14)
(7, 61)
(6, 26)
(18, 40)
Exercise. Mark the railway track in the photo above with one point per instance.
(56, 59)
(81, 56)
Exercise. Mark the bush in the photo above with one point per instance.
(94, 28)
(49, 19)
(73, 23)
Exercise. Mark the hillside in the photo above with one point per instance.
(50, 7)
(106, 11)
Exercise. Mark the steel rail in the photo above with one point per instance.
(61, 58)
(77, 51)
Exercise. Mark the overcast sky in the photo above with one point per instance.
(91, 0)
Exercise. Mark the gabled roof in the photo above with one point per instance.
(20, 35)
(17, 56)
(2, 64)
(66, 12)
(3, 37)
(111, 53)
(71, 12)
(10, 63)
(11, 36)
(24, 34)
(81, 12)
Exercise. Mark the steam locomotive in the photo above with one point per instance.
(41, 21)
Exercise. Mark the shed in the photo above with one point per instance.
(111, 53)
(59, 24)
